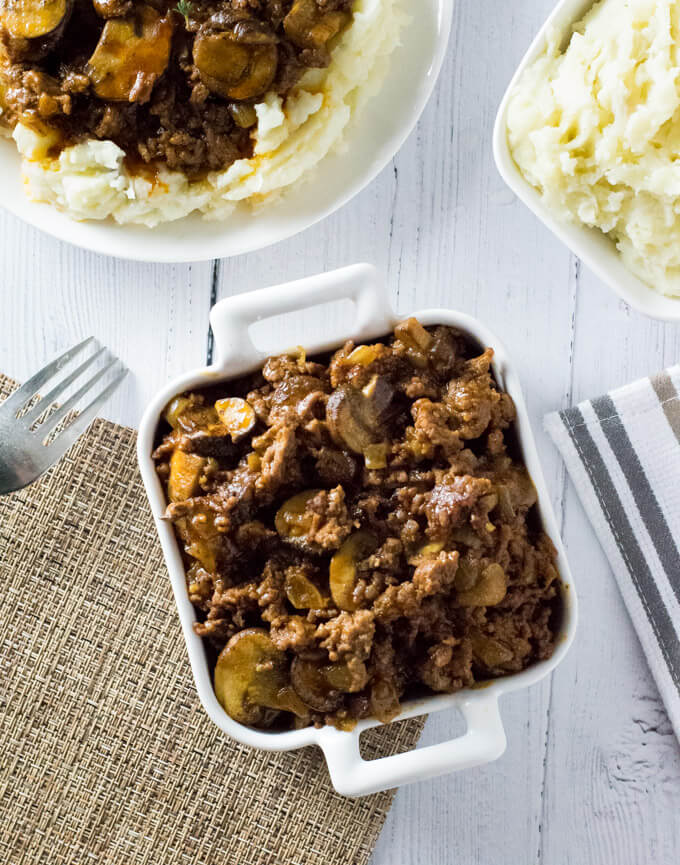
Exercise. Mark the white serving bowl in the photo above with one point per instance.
(371, 142)
(231, 320)
(592, 246)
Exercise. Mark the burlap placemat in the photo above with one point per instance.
(106, 755)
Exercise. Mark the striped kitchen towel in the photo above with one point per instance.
(622, 451)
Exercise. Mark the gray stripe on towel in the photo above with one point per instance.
(668, 397)
(625, 539)
(641, 490)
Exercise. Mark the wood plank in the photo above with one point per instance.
(613, 780)
(154, 317)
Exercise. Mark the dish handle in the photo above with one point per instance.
(483, 741)
(232, 317)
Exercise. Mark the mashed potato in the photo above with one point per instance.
(596, 128)
(90, 181)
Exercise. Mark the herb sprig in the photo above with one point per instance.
(184, 7)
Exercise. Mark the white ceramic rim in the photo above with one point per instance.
(369, 145)
(589, 244)
(484, 739)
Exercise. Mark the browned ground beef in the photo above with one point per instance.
(359, 529)
(192, 111)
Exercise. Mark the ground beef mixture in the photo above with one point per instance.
(358, 529)
(170, 82)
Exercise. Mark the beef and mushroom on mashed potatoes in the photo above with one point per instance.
(145, 110)
(594, 125)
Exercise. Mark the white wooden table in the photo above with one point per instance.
(592, 770)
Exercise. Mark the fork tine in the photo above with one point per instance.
(77, 427)
(21, 396)
(56, 417)
(54, 394)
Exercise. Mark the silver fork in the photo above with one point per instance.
(28, 443)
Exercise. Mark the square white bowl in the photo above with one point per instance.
(591, 245)
(237, 355)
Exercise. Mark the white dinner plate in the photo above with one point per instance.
(372, 141)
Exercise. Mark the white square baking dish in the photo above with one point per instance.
(593, 247)
(236, 354)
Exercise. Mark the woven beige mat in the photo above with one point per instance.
(106, 755)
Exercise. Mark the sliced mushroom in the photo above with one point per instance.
(190, 415)
(174, 409)
(308, 26)
(132, 53)
(225, 17)
(336, 467)
(214, 442)
(313, 687)
(489, 590)
(356, 417)
(221, 61)
(252, 677)
(31, 19)
(185, 472)
(33, 27)
(350, 676)
(302, 592)
(233, 68)
(293, 521)
(293, 390)
(343, 568)
(321, 686)
(254, 32)
(236, 415)
(379, 393)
